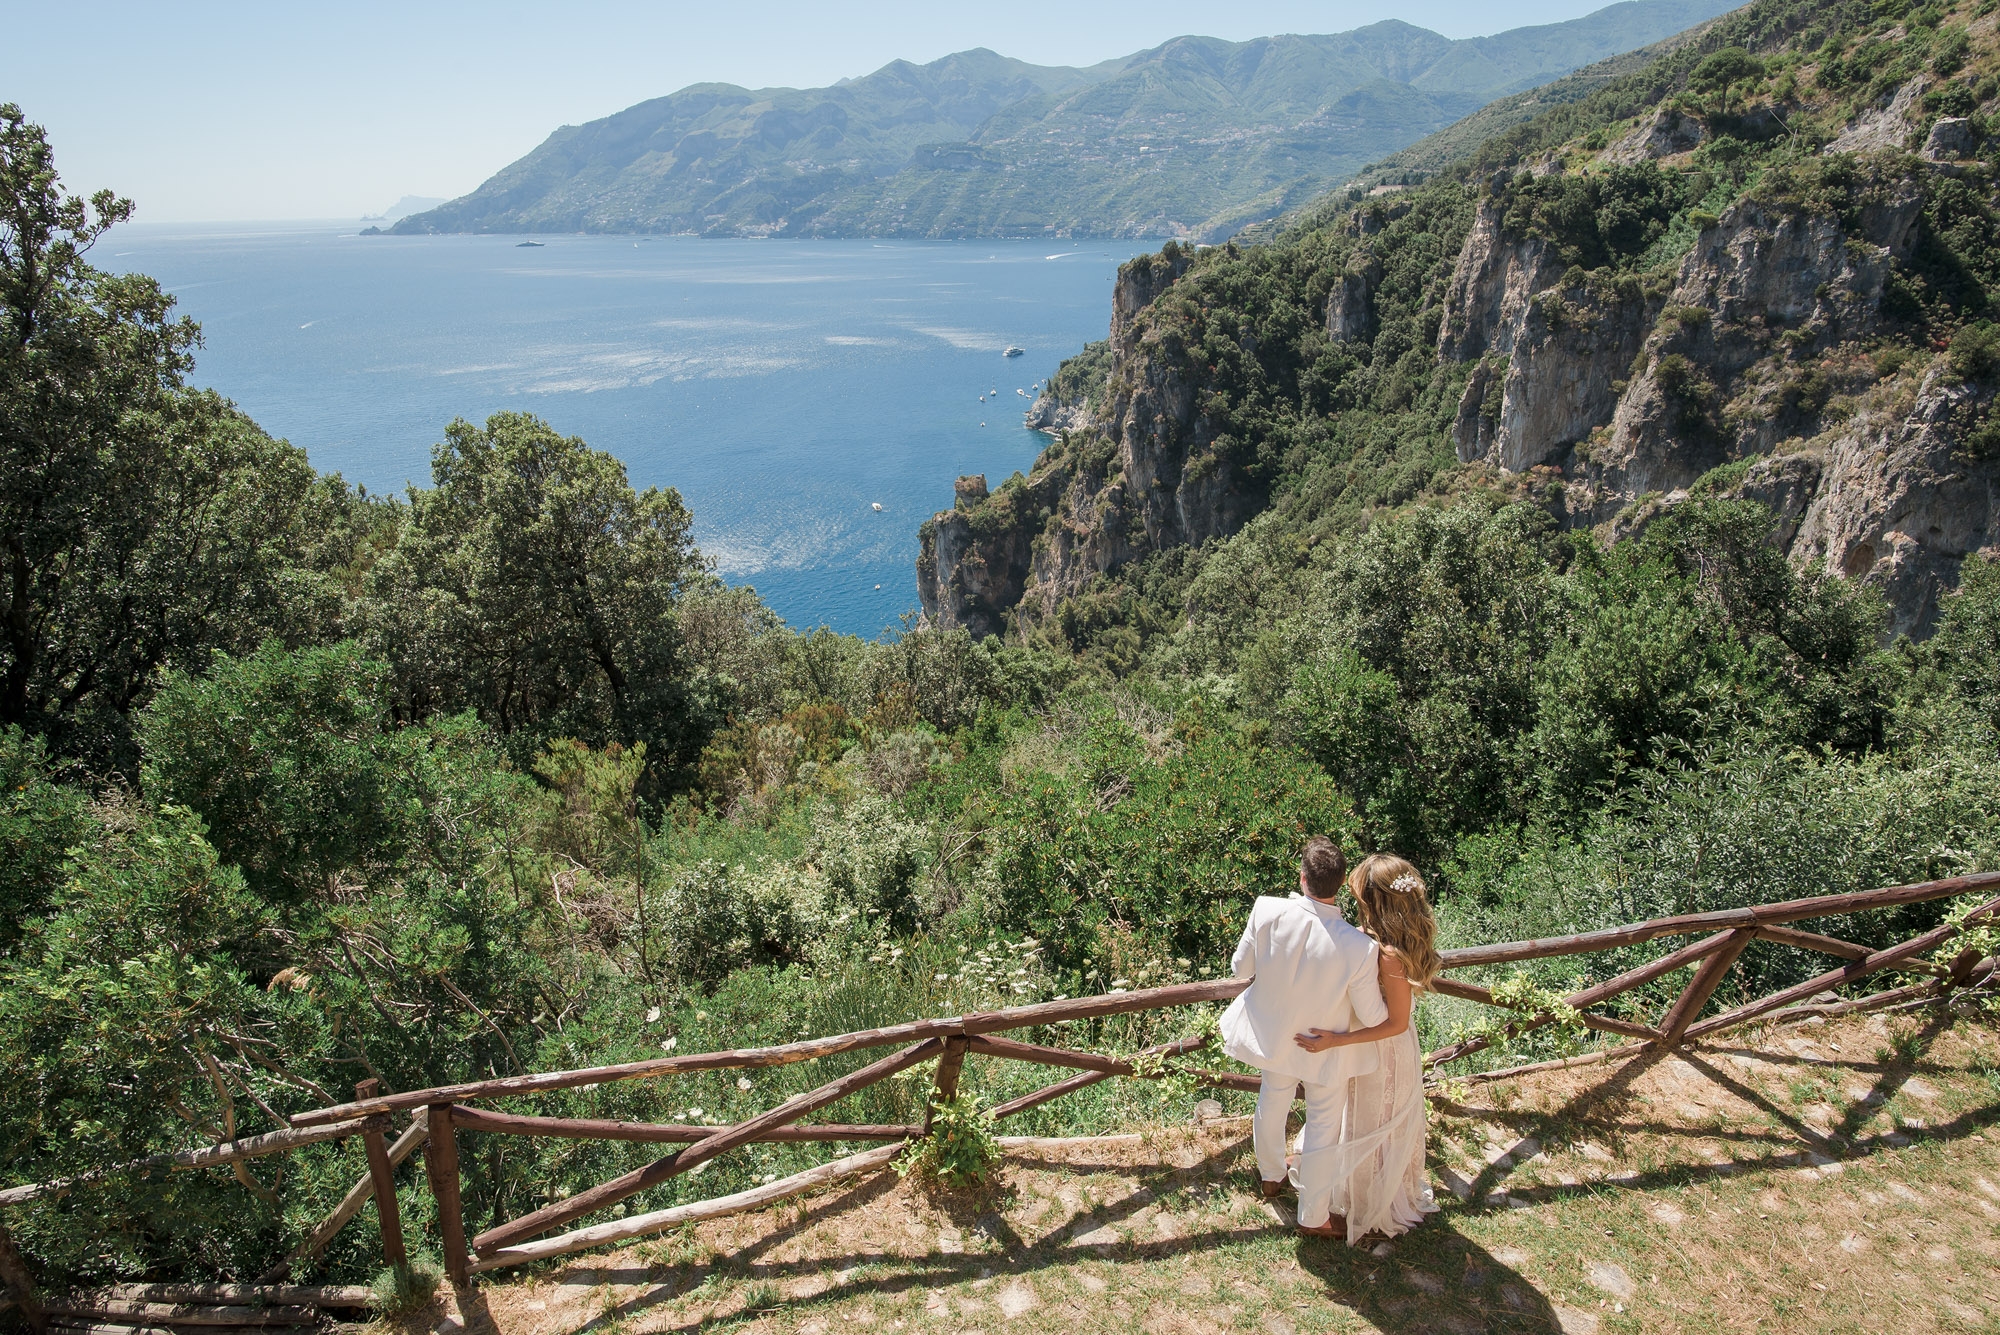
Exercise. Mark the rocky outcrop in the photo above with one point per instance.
(1763, 282)
(1053, 415)
(972, 564)
(1772, 300)
(1491, 285)
(1350, 305)
(1885, 126)
(1902, 503)
(1566, 351)
(1951, 138)
(1666, 132)
(1141, 474)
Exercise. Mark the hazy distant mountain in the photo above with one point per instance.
(403, 208)
(1198, 136)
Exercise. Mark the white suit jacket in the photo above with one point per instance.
(1312, 970)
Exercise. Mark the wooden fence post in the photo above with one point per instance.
(441, 1162)
(945, 1089)
(382, 1174)
(1702, 986)
(20, 1284)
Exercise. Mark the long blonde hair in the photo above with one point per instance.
(1395, 909)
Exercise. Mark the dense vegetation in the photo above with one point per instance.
(300, 785)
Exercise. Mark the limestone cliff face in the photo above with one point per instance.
(1760, 285)
(971, 574)
(1350, 308)
(1634, 395)
(1140, 475)
(1566, 350)
(1054, 415)
(1491, 285)
(1900, 504)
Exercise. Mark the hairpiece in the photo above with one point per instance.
(1406, 885)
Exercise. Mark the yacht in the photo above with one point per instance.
(1013, 351)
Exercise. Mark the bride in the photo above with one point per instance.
(1377, 1165)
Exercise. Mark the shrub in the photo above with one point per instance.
(1975, 350)
(960, 1151)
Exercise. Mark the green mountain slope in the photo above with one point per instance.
(1194, 137)
(1762, 266)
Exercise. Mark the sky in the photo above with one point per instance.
(276, 110)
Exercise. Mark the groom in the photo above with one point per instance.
(1310, 969)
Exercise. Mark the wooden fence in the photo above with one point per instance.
(438, 1116)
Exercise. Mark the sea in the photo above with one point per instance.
(812, 401)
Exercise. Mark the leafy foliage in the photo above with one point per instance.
(303, 785)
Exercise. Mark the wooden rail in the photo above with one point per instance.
(442, 1113)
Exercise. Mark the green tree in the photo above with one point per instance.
(1723, 72)
(141, 524)
(534, 585)
(39, 820)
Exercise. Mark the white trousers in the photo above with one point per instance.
(1325, 1105)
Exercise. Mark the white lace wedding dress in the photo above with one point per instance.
(1377, 1165)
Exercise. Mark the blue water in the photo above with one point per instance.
(784, 387)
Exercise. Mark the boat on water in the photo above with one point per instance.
(522, 245)
(876, 506)
(1013, 351)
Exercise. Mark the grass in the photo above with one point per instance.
(1826, 1178)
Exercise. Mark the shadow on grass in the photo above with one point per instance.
(1432, 1279)
(1606, 1111)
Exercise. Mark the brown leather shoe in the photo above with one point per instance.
(1334, 1227)
(1272, 1190)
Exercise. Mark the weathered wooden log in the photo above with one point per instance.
(721, 1141)
(1018, 1017)
(668, 1133)
(1702, 986)
(944, 1086)
(441, 1163)
(382, 1180)
(1082, 1061)
(1825, 945)
(1559, 1063)
(1873, 1001)
(20, 1284)
(1229, 1080)
(342, 1296)
(1100, 1068)
(124, 1312)
(638, 1226)
(1047, 1094)
(350, 1205)
(1589, 996)
(1473, 992)
(1110, 1003)
(1762, 915)
(208, 1156)
(1852, 972)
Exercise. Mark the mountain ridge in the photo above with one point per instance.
(1195, 136)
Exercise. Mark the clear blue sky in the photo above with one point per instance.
(205, 111)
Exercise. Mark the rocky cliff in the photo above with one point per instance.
(1138, 475)
(1607, 344)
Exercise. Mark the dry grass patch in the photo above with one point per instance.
(1824, 1178)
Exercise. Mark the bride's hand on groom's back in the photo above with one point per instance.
(1317, 1040)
